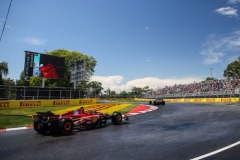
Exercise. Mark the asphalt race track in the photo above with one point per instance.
(174, 132)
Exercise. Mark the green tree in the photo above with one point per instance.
(83, 85)
(107, 92)
(113, 93)
(123, 94)
(3, 71)
(8, 92)
(137, 91)
(35, 81)
(233, 69)
(8, 82)
(146, 90)
(97, 86)
(22, 81)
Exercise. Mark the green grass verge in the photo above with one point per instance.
(127, 109)
(11, 121)
(19, 117)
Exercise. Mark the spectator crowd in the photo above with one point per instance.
(207, 87)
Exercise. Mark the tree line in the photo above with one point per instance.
(232, 70)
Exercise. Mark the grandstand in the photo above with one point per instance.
(209, 88)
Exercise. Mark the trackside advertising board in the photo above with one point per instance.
(197, 100)
(45, 103)
(204, 100)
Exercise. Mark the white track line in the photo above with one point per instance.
(15, 129)
(217, 151)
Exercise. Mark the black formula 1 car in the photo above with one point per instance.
(157, 101)
(79, 119)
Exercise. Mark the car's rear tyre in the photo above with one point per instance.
(150, 102)
(66, 127)
(117, 118)
(38, 127)
(96, 124)
(163, 102)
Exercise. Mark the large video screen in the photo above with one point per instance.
(42, 65)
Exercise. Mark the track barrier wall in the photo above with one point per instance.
(204, 100)
(199, 100)
(45, 103)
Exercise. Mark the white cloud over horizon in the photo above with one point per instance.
(227, 11)
(233, 1)
(216, 48)
(115, 82)
(35, 41)
(2, 21)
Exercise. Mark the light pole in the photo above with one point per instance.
(211, 71)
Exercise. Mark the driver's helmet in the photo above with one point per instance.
(75, 112)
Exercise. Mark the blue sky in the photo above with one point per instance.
(135, 42)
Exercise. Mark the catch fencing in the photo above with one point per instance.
(31, 93)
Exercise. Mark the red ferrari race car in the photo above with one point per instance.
(78, 119)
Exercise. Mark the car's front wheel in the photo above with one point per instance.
(117, 118)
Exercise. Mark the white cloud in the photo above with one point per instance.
(216, 48)
(35, 41)
(227, 11)
(2, 21)
(212, 57)
(233, 1)
(149, 60)
(115, 82)
(233, 58)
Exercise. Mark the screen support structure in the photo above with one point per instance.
(43, 82)
(75, 80)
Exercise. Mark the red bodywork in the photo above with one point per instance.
(77, 119)
(83, 119)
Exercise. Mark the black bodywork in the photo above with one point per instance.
(157, 101)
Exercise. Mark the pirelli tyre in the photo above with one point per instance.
(66, 126)
(116, 118)
(39, 126)
(163, 102)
